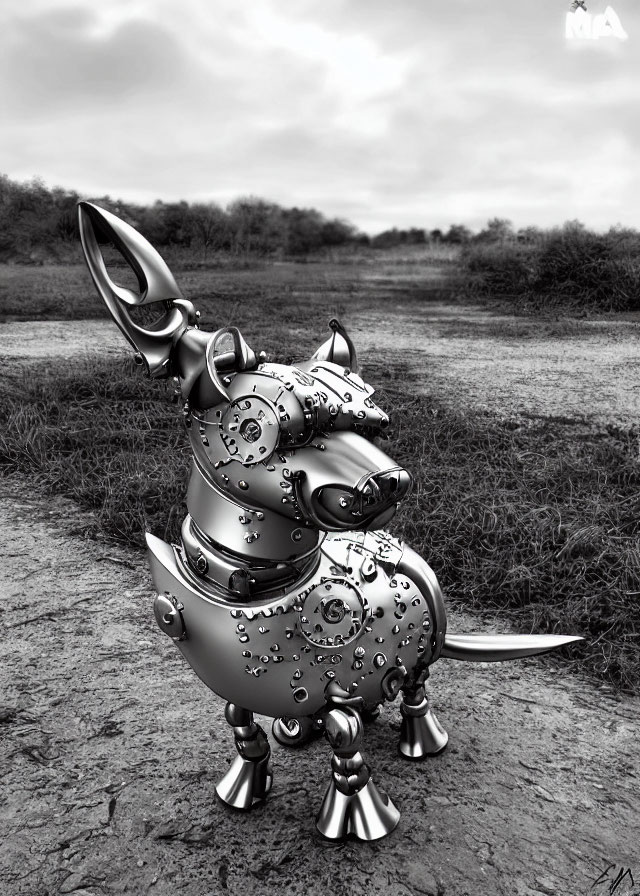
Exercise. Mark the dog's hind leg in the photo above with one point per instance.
(421, 734)
(250, 777)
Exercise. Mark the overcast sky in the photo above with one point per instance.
(384, 112)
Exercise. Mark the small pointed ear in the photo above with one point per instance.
(339, 349)
(202, 359)
(228, 351)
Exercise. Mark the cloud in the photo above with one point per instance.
(56, 63)
(387, 114)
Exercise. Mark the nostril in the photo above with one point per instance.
(393, 484)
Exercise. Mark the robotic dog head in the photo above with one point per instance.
(296, 441)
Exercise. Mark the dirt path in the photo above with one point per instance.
(111, 748)
(482, 360)
(479, 359)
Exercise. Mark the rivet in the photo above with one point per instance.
(243, 485)
(201, 564)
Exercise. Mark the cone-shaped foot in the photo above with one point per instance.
(420, 735)
(247, 782)
(367, 814)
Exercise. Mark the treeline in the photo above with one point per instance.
(38, 222)
(35, 219)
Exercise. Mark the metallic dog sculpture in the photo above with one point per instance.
(285, 596)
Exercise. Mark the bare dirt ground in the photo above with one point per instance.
(512, 366)
(468, 356)
(111, 747)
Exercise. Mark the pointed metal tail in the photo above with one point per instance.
(494, 648)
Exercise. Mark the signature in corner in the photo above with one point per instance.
(616, 880)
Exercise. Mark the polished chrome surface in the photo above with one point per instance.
(352, 805)
(294, 733)
(421, 734)
(250, 776)
(495, 648)
(277, 652)
(367, 814)
(155, 280)
(338, 348)
(285, 595)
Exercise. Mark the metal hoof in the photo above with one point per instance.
(292, 732)
(421, 734)
(367, 814)
(247, 782)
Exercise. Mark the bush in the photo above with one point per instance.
(498, 269)
(568, 266)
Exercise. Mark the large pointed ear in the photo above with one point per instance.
(155, 281)
(339, 349)
(155, 284)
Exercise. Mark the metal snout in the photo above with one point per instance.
(378, 491)
(368, 505)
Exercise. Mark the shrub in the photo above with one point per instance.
(569, 266)
(498, 269)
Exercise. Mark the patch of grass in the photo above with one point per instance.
(534, 521)
(66, 292)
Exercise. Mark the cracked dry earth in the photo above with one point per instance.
(111, 748)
